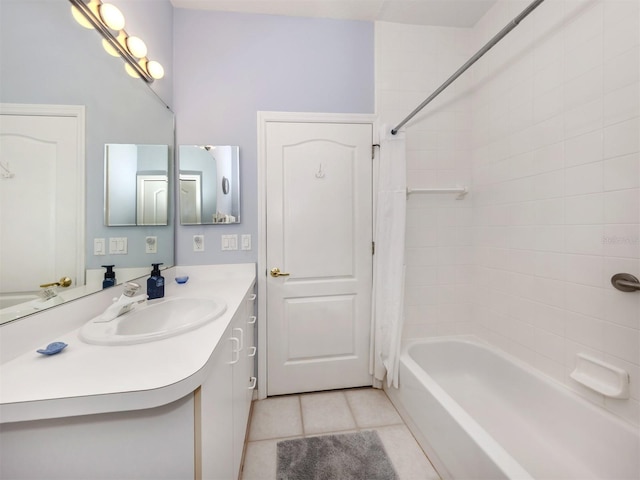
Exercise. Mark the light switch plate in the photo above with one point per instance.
(229, 242)
(99, 246)
(245, 242)
(118, 246)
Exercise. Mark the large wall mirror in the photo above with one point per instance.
(209, 182)
(136, 190)
(48, 59)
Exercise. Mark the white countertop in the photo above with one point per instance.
(87, 379)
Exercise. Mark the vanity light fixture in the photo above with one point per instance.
(111, 16)
(107, 19)
(155, 69)
(136, 46)
(109, 49)
(130, 71)
(80, 18)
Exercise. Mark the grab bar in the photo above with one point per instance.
(625, 282)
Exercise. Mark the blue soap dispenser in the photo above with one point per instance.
(109, 277)
(155, 283)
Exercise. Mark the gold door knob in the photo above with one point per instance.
(275, 272)
(63, 282)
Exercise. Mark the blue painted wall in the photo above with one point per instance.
(47, 58)
(229, 66)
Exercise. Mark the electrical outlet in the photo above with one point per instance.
(198, 243)
(151, 245)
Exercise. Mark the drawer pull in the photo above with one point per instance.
(235, 350)
(241, 337)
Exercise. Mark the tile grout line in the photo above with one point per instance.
(304, 432)
(353, 416)
(401, 420)
(351, 409)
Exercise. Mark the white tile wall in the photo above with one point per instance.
(546, 130)
(412, 61)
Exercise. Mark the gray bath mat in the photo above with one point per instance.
(351, 456)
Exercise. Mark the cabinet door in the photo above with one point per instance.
(252, 345)
(216, 416)
(243, 375)
(225, 399)
(150, 444)
(240, 382)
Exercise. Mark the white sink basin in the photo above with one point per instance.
(153, 321)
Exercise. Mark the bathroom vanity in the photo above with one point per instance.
(172, 408)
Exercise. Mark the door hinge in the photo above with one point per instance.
(373, 150)
(373, 248)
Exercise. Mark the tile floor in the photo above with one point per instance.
(341, 411)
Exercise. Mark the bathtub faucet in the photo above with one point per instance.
(125, 303)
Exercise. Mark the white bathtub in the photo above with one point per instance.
(480, 414)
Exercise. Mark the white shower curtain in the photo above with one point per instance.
(388, 261)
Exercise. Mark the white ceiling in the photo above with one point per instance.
(450, 13)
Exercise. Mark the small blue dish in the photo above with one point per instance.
(52, 348)
(183, 279)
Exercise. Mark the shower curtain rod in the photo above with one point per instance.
(502, 33)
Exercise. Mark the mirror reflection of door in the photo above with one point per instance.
(136, 184)
(190, 199)
(41, 198)
(152, 195)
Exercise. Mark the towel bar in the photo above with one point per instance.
(461, 191)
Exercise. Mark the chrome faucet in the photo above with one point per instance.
(125, 303)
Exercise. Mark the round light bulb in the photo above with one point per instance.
(131, 71)
(111, 16)
(136, 46)
(109, 48)
(155, 69)
(93, 5)
(80, 18)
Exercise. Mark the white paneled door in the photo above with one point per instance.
(318, 256)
